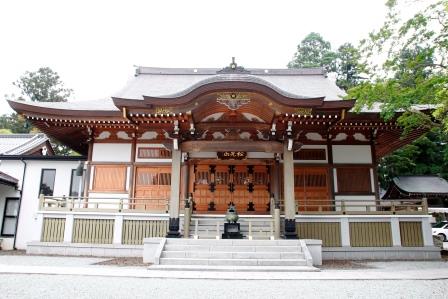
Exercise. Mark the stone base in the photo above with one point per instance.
(290, 229)
(82, 249)
(232, 231)
(381, 253)
(173, 228)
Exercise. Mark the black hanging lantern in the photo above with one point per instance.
(80, 169)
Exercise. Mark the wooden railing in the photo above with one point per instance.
(360, 206)
(103, 204)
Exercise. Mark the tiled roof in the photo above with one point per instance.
(421, 184)
(18, 144)
(168, 82)
(7, 179)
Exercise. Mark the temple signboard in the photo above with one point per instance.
(232, 155)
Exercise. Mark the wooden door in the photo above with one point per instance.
(152, 188)
(215, 186)
(311, 188)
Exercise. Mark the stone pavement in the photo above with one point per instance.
(391, 270)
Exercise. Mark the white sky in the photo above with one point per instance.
(93, 45)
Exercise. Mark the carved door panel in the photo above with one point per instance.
(221, 194)
(260, 193)
(202, 194)
(240, 195)
(311, 188)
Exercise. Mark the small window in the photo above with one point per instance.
(76, 184)
(47, 182)
(10, 216)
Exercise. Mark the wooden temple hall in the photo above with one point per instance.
(204, 138)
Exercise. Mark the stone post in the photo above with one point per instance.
(173, 231)
(277, 223)
(288, 187)
(68, 230)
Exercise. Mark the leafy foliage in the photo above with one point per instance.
(426, 155)
(44, 85)
(313, 51)
(348, 67)
(414, 70)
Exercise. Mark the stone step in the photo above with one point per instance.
(233, 268)
(235, 242)
(232, 262)
(232, 255)
(231, 248)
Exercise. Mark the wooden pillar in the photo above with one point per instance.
(175, 195)
(288, 188)
(375, 170)
(185, 178)
(330, 172)
(88, 168)
(132, 170)
(276, 181)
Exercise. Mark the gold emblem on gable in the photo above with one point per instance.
(163, 110)
(304, 111)
(233, 100)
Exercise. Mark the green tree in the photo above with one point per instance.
(348, 66)
(407, 65)
(14, 123)
(313, 51)
(43, 85)
(426, 155)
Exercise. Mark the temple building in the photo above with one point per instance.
(199, 139)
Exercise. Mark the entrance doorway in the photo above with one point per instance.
(217, 185)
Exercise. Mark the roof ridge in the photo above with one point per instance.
(213, 71)
(36, 136)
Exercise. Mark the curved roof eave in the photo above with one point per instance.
(207, 86)
(24, 107)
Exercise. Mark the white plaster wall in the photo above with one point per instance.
(27, 227)
(352, 154)
(316, 146)
(111, 152)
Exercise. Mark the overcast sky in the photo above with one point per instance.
(94, 45)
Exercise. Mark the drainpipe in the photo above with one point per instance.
(20, 203)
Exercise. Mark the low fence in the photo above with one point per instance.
(103, 204)
(100, 228)
(360, 207)
(358, 231)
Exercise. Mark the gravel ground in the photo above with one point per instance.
(58, 286)
(124, 262)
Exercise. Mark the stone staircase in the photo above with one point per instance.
(235, 255)
(211, 226)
